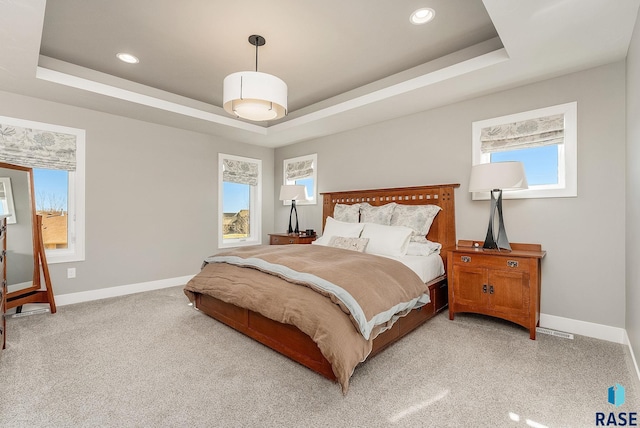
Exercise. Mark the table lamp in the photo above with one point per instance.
(293, 192)
(494, 178)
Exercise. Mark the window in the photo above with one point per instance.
(57, 156)
(302, 171)
(239, 201)
(544, 140)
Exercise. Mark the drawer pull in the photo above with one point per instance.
(484, 288)
(465, 259)
(512, 263)
(491, 289)
(291, 241)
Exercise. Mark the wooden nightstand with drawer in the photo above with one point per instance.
(502, 284)
(293, 238)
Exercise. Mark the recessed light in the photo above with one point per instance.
(128, 58)
(422, 16)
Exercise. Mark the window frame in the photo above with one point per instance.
(255, 204)
(75, 251)
(567, 153)
(75, 222)
(313, 198)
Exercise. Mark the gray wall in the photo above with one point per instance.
(151, 195)
(633, 192)
(583, 273)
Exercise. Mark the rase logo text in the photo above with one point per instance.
(615, 396)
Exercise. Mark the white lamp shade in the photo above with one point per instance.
(255, 96)
(290, 192)
(497, 175)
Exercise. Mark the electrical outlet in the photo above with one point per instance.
(71, 272)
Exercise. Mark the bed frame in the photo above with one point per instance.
(290, 341)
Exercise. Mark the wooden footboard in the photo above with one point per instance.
(290, 341)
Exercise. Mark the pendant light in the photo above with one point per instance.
(254, 95)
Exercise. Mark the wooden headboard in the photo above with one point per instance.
(443, 229)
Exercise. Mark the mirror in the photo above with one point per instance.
(6, 200)
(20, 244)
(26, 261)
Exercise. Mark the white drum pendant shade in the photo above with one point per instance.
(255, 96)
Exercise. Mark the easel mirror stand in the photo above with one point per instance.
(36, 293)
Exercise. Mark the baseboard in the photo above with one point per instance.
(583, 328)
(633, 356)
(589, 329)
(122, 290)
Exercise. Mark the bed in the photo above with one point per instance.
(284, 328)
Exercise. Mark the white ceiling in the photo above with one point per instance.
(347, 63)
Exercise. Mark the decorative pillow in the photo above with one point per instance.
(377, 215)
(386, 240)
(417, 217)
(333, 227)
(347, 213)
(355, 244)
(423, 248)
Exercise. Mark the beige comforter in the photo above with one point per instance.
(376, 283)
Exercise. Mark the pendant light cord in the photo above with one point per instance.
(256, 41)
(256, 55)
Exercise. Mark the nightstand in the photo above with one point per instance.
(293, 238)
(502, 284)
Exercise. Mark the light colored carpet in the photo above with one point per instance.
(150, 360)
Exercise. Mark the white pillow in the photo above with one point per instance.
(347, 213)
(386, 240)
(333, 227)
(423, 248)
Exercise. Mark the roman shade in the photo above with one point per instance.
(35, 148)
(299, 169)
(240, 172)
(542, 131)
